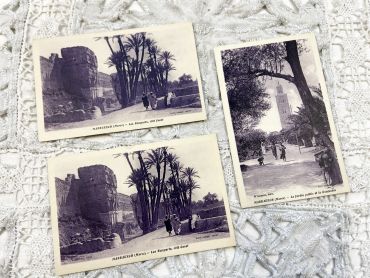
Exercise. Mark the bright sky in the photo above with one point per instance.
(180, 42)
(271, 121)
(191, 155)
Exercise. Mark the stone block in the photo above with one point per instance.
(95, 113)
(112, 241)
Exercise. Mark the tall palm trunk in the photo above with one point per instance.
(148, 181)
(124, 90)
(120, 76)
(144, 212)
(139, 68)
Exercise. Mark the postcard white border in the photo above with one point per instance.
(249, 201)
(62, 269)
(117, 126)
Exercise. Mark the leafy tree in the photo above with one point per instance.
(247, 97)
(210, 198)
(274, 137)
(249, 143)
(185, 79)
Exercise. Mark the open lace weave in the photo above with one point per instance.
(324, 237)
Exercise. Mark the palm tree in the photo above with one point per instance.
(137, 43)
(188, 174)
(156, 158)
(154, 51)
(137, 178)
(165, 58)
(116, 59)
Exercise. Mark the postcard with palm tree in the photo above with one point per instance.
(281, 130)
(116, 81)
(132, 204)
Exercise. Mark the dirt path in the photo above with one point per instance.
(300, 170)
(136, 112)
(158, 239)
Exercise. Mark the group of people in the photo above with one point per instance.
(173, 223)
(282, 150)
(274, 149)
(150, 98)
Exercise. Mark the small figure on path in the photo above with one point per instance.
(263, 148)
(260, 158)
(167, 223)
(170, 97)
(176, 224)
(145, 101)
(190, 221)
(153, 100)
(282, 152)
(274, 151)
(194, 221)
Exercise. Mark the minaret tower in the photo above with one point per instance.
(283, 106)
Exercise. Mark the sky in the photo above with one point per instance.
(191, 155)
(271, 121)
(178, 42)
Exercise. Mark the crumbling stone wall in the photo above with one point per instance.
(98, 191)
(67, 197)
(90, 207)
(80, 73)
(72, 82)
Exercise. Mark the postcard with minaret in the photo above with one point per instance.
(281, 130)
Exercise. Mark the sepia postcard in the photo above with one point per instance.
(281, 131)
(116, 81)
(132, 204)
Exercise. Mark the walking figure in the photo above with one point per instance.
(153, 100)
(169, 98)
(194, 221)
(274, 151)
(282, 152)
(176, 224)
(145, 101)
(167, 223)
(260, 158)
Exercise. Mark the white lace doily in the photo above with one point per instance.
(327, 237)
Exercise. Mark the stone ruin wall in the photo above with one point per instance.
(67, 197)
(98, 191)
(90, 201)
(72, 82)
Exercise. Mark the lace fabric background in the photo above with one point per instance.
(323, 237)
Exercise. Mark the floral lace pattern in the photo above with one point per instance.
(329, 236)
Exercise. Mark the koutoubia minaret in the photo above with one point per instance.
(283, 106)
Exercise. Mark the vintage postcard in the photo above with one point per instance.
(116, 81)
(281, 131)
(133, 204)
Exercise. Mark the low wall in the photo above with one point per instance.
(213, 212)
(188, 100)
(218, 223)
(181, 101)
